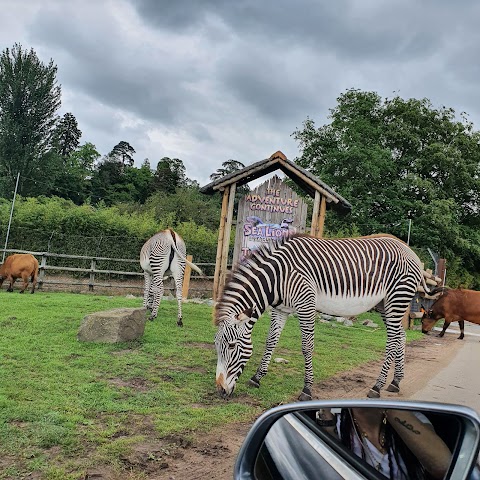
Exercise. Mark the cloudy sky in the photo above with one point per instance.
(207, 81)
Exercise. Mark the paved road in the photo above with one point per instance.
(458, 382)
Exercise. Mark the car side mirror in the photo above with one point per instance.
(373, 439)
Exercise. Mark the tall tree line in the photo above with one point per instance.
(402, 163)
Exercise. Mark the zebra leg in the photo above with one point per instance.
(399, 363)
(307, 328)
(277, 323)
(157, 287)
(178, 287)
(393, 330)
(146, 290)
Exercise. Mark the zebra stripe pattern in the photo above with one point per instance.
(162, 255)
(303, 274)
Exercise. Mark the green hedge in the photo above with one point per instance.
(59, 226)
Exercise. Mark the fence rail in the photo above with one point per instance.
(45, 266)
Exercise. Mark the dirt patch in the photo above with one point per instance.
(138, 384)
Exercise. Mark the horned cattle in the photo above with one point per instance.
(19, 265)
(454, 305)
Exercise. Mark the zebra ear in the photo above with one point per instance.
(246, 315)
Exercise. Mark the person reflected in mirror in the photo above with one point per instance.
(400, 444)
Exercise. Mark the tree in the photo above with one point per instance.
(67, 135)
(396, 160)
(107, 183)
(112, 182)
(169, 175)
(29, 98)
(230, 166)
(74, 182)
(140, 181)
(123, 152)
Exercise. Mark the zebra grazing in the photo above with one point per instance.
(304, 274)
(164, 253)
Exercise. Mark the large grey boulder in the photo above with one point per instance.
(112, 326)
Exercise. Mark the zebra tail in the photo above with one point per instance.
(190, 264)
(194, 267)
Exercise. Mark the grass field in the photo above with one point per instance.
(89, 403)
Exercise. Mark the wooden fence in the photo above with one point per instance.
(202, 286)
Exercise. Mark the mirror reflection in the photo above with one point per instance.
(389, 443)
(397, 443)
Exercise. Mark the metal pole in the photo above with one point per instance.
(11, 215)
(409, 228)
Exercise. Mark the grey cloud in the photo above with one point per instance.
(346, 28)
(119, 77)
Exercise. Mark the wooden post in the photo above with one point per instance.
(186, 278)
(442, 267)
(321, 220)
(318, 215)
(316, 208)
(91, 283)
(226, 237)
(41, 274)
(221, 233)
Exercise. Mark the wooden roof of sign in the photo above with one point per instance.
(278, 161)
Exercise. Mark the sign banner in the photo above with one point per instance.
(268, 213)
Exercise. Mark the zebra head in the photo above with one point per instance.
(233, 342)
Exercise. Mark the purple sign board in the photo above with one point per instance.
(268, 213)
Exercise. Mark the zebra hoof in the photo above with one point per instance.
(373, 393)
(253, 383)
(393, 388)
(180, 324)
(305, 396)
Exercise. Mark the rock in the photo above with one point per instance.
(347, 323)
(130, 296)
(280, 360)
(341, 319)
(369, 323)
(112, 326)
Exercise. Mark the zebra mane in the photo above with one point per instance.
(244, 268)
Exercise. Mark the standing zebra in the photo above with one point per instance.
(304, 274)
(164, 253)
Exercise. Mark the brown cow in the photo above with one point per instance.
(454, 305)
(19, 265)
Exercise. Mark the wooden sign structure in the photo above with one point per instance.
(323, 195)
